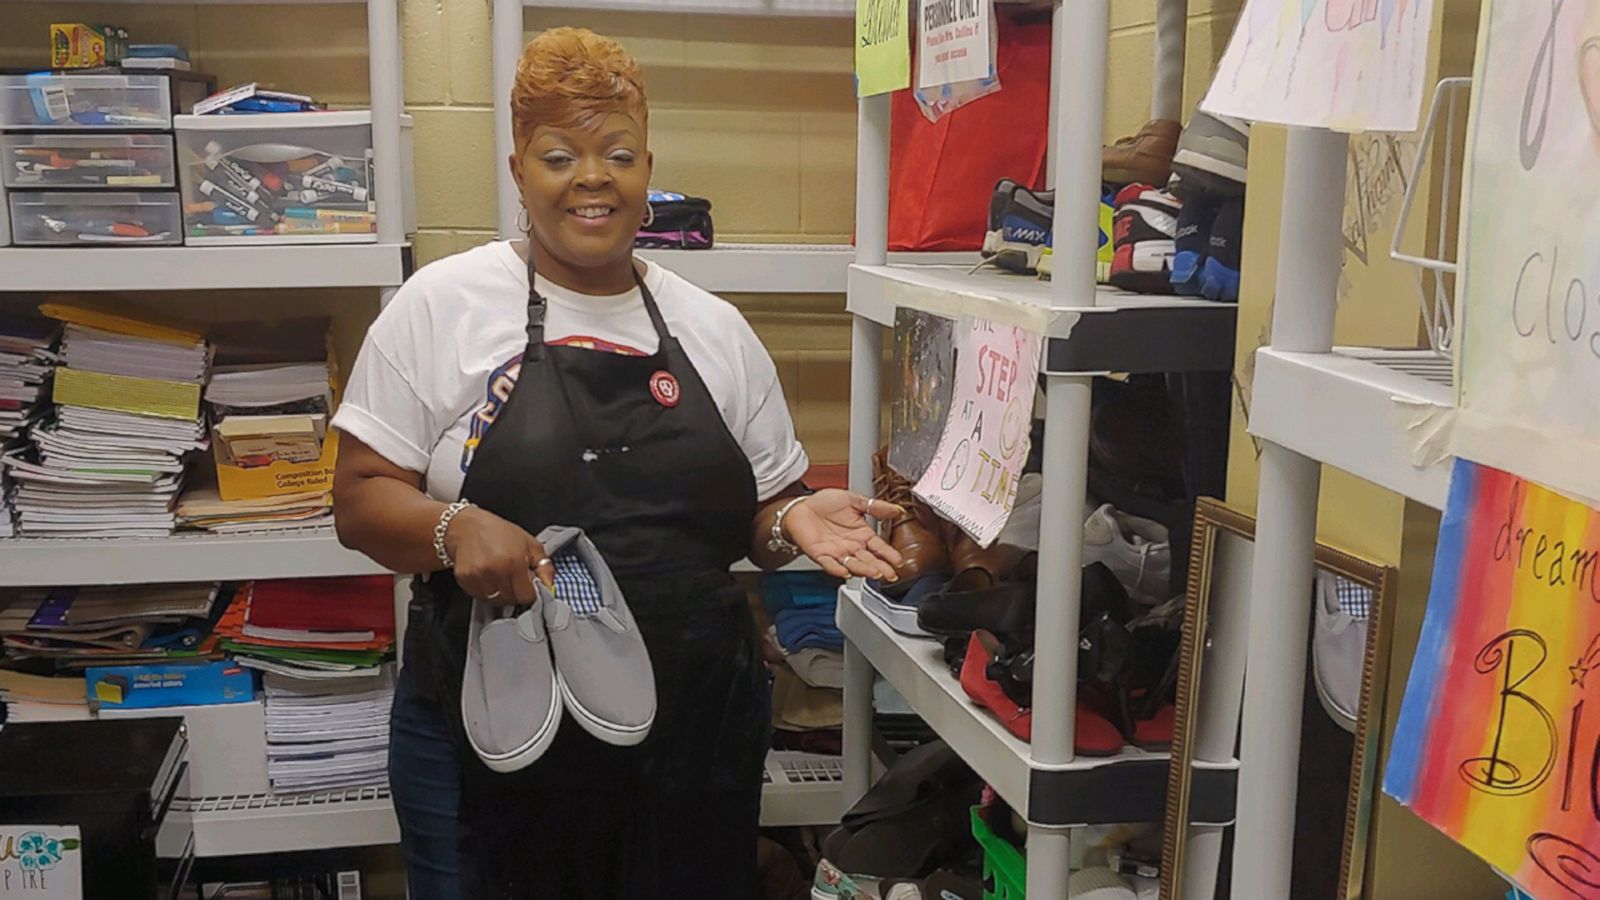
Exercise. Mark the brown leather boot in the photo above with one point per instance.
(968, 559)
(1145, 157)
(916, 534)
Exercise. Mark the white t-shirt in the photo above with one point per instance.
(439, 361)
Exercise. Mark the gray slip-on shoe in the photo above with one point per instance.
(510, 702)
(602, 666)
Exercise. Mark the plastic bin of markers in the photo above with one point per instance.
(66, 102)
(97, 161)
(95, 218)
(283, 178)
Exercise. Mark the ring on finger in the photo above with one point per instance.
(493, 596)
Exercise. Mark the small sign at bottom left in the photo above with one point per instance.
(41, 862)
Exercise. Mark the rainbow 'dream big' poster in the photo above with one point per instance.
(1498, 743)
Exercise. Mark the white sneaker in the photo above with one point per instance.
(1134, 549)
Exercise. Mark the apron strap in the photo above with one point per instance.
(537, 306)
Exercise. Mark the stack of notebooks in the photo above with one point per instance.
(26, 359)
(322, 629)
(110, 625)
(39, 698)
(111, 463)
(324, 736)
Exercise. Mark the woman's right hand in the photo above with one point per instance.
(496, 561)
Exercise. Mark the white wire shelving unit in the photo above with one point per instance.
(1090, 330)
(248, 823)
(1378, 414)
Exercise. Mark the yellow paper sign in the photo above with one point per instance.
(883, 47)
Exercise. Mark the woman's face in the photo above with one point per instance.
(585, 189)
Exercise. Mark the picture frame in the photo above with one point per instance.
(1210, 699)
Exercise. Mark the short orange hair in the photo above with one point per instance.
(572, 78)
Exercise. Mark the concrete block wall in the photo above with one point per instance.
(755, 113)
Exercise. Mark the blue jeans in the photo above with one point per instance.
(425, 781)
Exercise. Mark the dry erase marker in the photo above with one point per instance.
(215, 160)
(337, 187)
(248, 212)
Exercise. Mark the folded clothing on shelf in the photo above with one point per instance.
(803, 628)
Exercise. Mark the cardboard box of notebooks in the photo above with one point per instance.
(270, 432)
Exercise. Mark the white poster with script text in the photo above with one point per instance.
(1529, 349)
(41, 862)
(1348, 65)
(954, 42)
(972, 480)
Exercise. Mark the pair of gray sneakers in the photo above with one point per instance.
(525, 666)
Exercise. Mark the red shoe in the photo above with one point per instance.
(1155, 733)
(975, 680)
(1094, 733)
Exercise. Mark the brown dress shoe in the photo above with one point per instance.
(916, 534)
(1145, 157)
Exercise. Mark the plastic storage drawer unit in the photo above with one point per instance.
(284, 178)
(64, 102)
(95, 218)
(120, 161)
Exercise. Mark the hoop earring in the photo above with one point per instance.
(649, 216)
(524, 224)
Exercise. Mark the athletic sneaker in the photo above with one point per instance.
(1102, 260)
(1144, 228)
(510, 702)
(832, 884)
(1191, 241)
(1099, 884)
(998, 202)
(1136, 550)
(1025, 226)
(602, 666)
(1219, 275)
(1213, 156)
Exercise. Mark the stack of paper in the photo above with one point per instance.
(27, 357)
(109, 625)
(203, 508)
(111, 464)
(26, 360)
(327, 735)
(39, 698)
(312, 628)
(270, 390)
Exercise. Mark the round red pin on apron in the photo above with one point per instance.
(664, 388)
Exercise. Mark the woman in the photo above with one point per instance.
(557, 380)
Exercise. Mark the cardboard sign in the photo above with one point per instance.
(1349, 65)
(1530, 280)
(954, 42)
(883, 47)
(41, 862)
(972, 480)
(1498, 742)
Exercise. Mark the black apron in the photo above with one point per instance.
(634, 451)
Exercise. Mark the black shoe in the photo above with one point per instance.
(1219, 276)
(1007, 609)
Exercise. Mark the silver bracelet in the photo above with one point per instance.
(443, 526)
(778, 543)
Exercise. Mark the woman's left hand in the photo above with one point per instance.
(832, 527)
